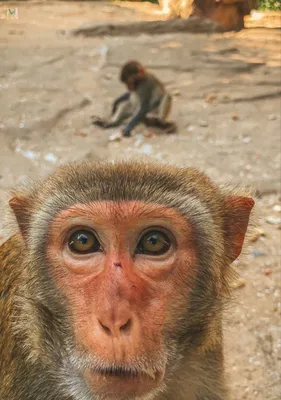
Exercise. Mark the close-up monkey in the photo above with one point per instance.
(114, 286)
(146, 94)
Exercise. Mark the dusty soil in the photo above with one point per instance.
(227, 100)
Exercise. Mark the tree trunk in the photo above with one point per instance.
(229, 14)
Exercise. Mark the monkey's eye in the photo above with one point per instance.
(84, 242)
(153, 243)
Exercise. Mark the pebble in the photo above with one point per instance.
(272, 117)
(50, 157)
(115, 137)
(267, 271)
(246, 139)
(256, 235)
(30, 154)
(238, 283)
(148, 134)
(210, 98)
(273, 220)
(146, 149)
(81, 134)
(203, 123)
(257, 253)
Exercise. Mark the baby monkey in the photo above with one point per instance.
(146, 94)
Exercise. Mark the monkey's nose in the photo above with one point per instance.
(116, 327)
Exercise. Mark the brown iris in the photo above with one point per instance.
(153, 243)
(83, 242)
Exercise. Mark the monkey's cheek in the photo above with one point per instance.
(110, 386)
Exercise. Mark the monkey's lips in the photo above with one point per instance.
(122, 382)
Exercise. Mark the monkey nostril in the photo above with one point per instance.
(126, 327)
(105, 328)
(113, 329)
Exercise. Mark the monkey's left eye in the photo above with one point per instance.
(153, 243)
(84, 242)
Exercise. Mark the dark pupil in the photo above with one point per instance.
(82, 238)
(153, 239)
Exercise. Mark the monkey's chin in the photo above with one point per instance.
(123, 385)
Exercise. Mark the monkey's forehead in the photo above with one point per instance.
(149, 182)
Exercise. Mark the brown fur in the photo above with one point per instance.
(34, 316)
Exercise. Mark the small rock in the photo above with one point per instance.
(210, 98)
(238, 283)
(82, 134)
(203, 123)
(171, 45)
(267, 271)
(176, 92)
(273, 220)
(256, 235)
(246, 139)
(235, 117)
(115, 137)
(257, 253)
(146, 149)
(30, 154)
(272, 117)
(138, 142)
(148, 134)
(50, 157)
(276, 208)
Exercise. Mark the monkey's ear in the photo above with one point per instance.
(238, 210)
(21, 207)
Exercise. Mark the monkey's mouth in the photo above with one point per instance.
(124, 381)
(127, 373)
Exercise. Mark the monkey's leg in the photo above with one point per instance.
(122, 112)
(165, 107)
(163, 111)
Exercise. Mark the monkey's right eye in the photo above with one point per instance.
(84, 242)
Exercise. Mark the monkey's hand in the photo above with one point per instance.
(98, 121)
(126, 132)
(119, 100)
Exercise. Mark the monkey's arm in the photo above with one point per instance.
(137, 118)
(144, 93)
(122, 111)
(123, 97)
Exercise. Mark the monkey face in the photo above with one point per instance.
(127, 266)
(117, 265)
(133, 81)
(132, 74)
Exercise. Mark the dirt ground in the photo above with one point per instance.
(227, 98)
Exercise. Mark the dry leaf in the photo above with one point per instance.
(171, 45)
